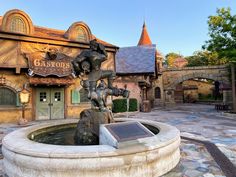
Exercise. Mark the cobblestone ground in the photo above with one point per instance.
(198, 122)
(195, 162)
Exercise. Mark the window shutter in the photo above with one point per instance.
(75, 97)
(18, 100)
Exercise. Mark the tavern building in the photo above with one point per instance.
(41, 59)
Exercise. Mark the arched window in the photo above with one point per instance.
(83, 95)
(81, 34)
(7, 97)
(79, 31)
(157, 93)
(18, 25)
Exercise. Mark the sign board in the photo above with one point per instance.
(116, 133)
(45, 66)
(128, 131)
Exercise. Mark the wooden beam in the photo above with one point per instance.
(36, 39)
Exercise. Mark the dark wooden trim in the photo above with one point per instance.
(45, 40)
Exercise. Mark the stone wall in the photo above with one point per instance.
(174, 76)
(159, 83)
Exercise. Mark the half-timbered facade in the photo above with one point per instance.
(41, 58)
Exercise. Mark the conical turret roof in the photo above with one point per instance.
(144, 38)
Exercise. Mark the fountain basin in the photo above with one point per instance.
(152, 156)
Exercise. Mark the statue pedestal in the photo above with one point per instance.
(87, 131)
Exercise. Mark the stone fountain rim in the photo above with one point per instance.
(18, 142)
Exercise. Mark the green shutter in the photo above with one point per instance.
(75, 97)
(17, 100)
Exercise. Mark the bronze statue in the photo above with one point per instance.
(88, 65)
(89, 62)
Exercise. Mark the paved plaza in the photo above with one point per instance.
(208, 146)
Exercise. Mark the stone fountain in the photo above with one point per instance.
(102, 146)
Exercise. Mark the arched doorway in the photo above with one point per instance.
(197, 89)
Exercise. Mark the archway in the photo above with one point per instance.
(198, 90)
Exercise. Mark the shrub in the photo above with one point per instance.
(133, 104)
(120, 105)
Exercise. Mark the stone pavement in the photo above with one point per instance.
(199, 125)
(204, 124)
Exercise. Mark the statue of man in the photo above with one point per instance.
(88, 63)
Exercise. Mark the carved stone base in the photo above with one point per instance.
(87, 131)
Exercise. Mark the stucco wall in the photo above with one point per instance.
(15, 83)
(132, 86)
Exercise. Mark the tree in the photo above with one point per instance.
(197, 59)
(170, 58)
(205, 58)
(222, 31)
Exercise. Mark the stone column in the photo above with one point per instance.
(227, 97)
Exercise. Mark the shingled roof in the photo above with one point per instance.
(136, 60)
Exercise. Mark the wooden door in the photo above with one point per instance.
(49, 103)
(57, 103)
(42, 103)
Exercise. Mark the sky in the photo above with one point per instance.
(178, 26)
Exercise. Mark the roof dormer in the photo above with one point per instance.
(17, 21)
(79, 31)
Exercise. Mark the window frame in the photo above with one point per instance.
(16, 27)
(157, 93)
(15, 99)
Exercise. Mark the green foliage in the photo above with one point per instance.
(170, 58)
(120, 105)
(133, 104)
(222, 32)
(205, 97)
(205, 58)
(209, 97)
